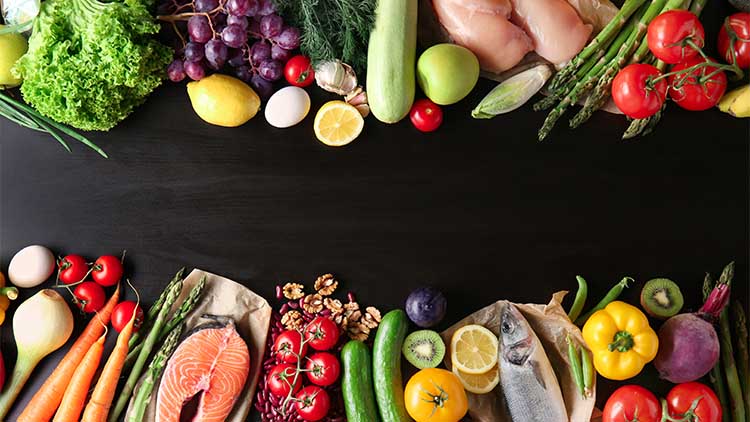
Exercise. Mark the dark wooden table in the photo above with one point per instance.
(478, 209)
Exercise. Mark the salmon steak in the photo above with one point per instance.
(212, 362)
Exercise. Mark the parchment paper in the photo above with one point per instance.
(251, 313)
(551, 324)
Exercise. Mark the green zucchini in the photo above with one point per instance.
(386, 366)
(356, 383)
(391, 56)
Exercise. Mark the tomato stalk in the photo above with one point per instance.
(290, 396)
(689, 416)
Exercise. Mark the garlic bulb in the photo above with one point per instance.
(336, 76)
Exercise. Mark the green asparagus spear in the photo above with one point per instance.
(716, 376)
(736, 400)
(148, 320)
(742, 356)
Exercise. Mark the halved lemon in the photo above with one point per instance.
(474, 349)
(479, 384)
(338, 123)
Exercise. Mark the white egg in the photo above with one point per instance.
(287, 107)
(31, 266)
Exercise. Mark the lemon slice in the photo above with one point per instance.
(474, 349)
(479, 384)
(338, 123)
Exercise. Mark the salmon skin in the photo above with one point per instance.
(212, 361)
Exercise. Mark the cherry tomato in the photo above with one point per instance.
(322, 333)
(736, 32)
(299, 71)
(107, 270)
(635, 94)
(123, 312)
(281, 379)
(288, 347)
(313, 403)
(72, 269)
(669, 33)
(699, 89)
(632, 402)
(683, 397)
(426, 115)
(90, 296)
(324, 369)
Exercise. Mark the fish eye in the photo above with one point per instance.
(507, 327)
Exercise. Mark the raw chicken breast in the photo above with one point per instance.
(554, 26)
(482, 26)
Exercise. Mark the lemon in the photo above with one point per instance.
(479, 384)
(12, 47)
(338, 123)
(223, 100)
(474, 349)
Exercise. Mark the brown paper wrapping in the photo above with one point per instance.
(552, 326)
(251, 313)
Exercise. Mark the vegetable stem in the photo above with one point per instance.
(740, 328)
(730, 369)
(716, 376)
(580, 299)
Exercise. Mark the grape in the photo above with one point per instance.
(199, 29)
(236, 57)
(252, 8)
(203, 6)
(237, 7)
(195, 70)
(244, 73)
(253, 28)
(234, 36)
(266, 7)
(220, 19)
(175, 71)
(260, 52)
(271, 25)
(271, 70)
(288, 38)
(194, 52)
(238, 20)
(261, 86)
(281, 54)
(216, 53)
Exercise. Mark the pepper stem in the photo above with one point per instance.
(11, 292)
(622, 342)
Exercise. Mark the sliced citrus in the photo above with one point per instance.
(479, 384)
(474, 349)
(338, 123)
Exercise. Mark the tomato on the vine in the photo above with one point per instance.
(123, 312)
(289, 347)
(426, 115)
(671, 33)
(313, 403)
(322, 333)
(696, 400)
(632, 402)
(90, 296)
(72, 269)
(107, 270)
(734, 37)
(323, 369)
(698, 89)
(635, 93)
(282, 379)
(298, 71)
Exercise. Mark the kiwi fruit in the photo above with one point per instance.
(424, 349)
(661, 298)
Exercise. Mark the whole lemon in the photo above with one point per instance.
(223, 100)
(12, 47)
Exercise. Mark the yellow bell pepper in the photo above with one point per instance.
(6, 295)
(621, 340)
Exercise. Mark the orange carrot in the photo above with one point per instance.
(45, 402)
(75, 395)
(97, 409)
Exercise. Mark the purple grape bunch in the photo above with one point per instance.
(246, 37)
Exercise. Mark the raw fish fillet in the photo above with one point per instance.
(558, 33)
(483, 27)
(214, 361)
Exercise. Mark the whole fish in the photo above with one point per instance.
(528, 382)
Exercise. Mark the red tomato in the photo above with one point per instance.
(669, 33)
(696, 399)
(699, 89)
(72, 269)
(322, 333)
(107, 270)
(635, 94)
(123, 312)
(313, 403)
(736, 32)
(299, 71)
(289, 347)
(426, 115)
(632, 402)
(90, 296)
(281, 380)
(323, 369)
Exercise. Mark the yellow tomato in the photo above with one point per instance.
(435, 395)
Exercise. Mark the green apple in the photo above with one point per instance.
(447, 73)
(12, 47)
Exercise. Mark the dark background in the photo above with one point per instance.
(478, 209)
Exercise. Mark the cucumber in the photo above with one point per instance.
(386, 366)
(356, 383)
(391, 56)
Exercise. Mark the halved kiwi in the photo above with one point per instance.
(424, 349)
(661, 298)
